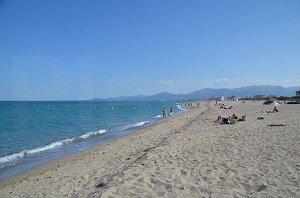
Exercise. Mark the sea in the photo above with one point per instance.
(32, 133)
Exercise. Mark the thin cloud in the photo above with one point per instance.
(292, 81)
(166, 82)
(226, 80)
(264, 81)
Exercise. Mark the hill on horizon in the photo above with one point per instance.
(247, 91)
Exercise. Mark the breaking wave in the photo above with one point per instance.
(27, 152)
(132, 126)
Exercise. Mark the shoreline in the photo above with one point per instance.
(186, 155)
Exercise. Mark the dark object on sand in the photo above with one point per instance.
(225, 121)
(234, 117)
(267, 102)
(260, 118)
(293, 102)
(100, 185)
(244, 118)
(276, 125)
(259, 188)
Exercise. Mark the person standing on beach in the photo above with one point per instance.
(164, 113)
(171, 111)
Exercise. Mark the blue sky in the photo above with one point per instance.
(61, 50)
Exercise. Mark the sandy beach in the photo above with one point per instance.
(184, 156)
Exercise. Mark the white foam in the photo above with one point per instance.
(25, 153)
(91, 134)
(44, 148)
(129, 126)
(12, 157)
(181, 108)
(158, 116)
(138, 124)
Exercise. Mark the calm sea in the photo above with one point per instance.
(32, 133)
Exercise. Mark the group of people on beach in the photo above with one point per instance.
(230, 119)
(190, 104)
(170, 113)
(234, 119)
(223, 106)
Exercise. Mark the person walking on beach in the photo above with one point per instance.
(171, 111)
(164, 113)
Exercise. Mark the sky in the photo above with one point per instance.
(76, 49)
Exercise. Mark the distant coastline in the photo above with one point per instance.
(247, 91)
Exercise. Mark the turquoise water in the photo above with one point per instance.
(34, 132)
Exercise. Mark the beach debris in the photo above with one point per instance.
(276, 125)
(142, 157)
(100, 185)
(260, 118)
(128, 158)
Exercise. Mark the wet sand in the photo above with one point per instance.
(184, 156)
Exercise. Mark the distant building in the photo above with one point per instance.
(216, 98)
(233, 98)
(297, 93)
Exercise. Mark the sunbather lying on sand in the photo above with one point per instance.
(274, 110)
(230, 119)
(219, 119)
(224, 107)
(244, 118)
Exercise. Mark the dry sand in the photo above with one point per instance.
(184, 156)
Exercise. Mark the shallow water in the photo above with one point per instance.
(32, 133)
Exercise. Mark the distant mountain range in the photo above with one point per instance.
(209, 92)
